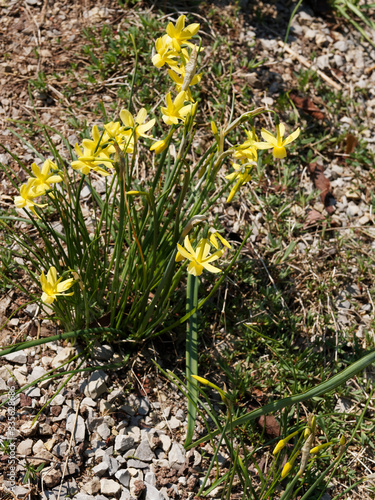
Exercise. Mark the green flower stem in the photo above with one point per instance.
(61, 336)
(320, 389)
(119, 239)
(192, 353)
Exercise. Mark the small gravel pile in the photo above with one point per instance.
(96, 439)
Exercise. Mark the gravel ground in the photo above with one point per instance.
(119, 434)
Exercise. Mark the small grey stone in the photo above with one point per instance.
(71, 468)
(345, 304)
(37, 372)
(125, 495)
(122, 425)
(135, 432)
(180, 414)
(144, 407)
(174, 423)
(51, 477)
(152, 493)
(93, 422)
(45, 429)
(150, 478)
(176, 456)
(20, 491)
(123, 443)
(100, 469)
(102, 352)
(123, 476)
(25, 447)
(68, 489)
(83, 496)
(92, 486)
(96, 385)
(78, 427)
(58, 400)
(60, 449)
(88, 402)
(341, 45)
(16, 357)
(63, 356)
(137, 464)
(112, 464)
(144, 452)
(129, 453)
(167, 411)
(103, 430)
(109, 487)
(166, 442)
(33, 392)
(322, 61)
(113, 395)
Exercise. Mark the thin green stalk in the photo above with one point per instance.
(192, 353)
(291, 20)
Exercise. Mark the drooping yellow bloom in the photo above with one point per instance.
(320, 447)
(277, 143)
(280, 445)
(242, 174)
(175, 110)
(289, 465)
(160, 146)
(200, 258)
(28, 192)
(204, 381)
(179, 34)
(138, 124)
(43, 177)
(165, 53)
(215, 234)
(52, 287)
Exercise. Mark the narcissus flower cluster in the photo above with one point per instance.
(247, 154)
(175, 50)
(37, 186)
(96, 153)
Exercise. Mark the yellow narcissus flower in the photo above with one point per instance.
(138, 124)
(320, 447)
(280, 445)
(215, 234)
(160, 146)
(242, 174)
(178, 76)
(28, 192)
(204, 381)
(277, 143)
(165, 53)
(289, 465)
(179, 34)
(200, 258)
(43, 177)
(175, 110)
(52, 287)
(248, 148)
(92, 155)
